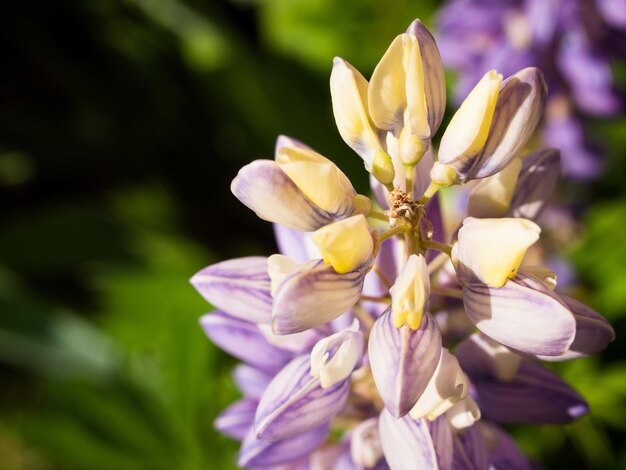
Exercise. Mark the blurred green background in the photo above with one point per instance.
(122, 123)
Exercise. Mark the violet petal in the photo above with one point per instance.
(505, 455)
(470, 450)
(403, 360)
(535, 395)
(294, 402)
(434, 82)
(406, 443)
(293, 243)
(523, 314)
(250, 381)
(536, 182)
(593, 332)
(441, 436)
(263, 453)
(243, 340)
(240, 287)
(236, 420)
(313, 295)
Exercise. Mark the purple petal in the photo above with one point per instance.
(523, 314)
(588, 73)
(240, 287)
(406, 443)
(537, 180)
(613, 12)
(535, 395)
(262, 453)
(313, 295)
(505, 455)
(481, 361)
(470, 450)
(292, 243)
(267, 190)
(593, 332)
(579, 159)
(520, 104)
(243, 340)
(236, 420)
(441, 436)
(403, 360)
(250, 381)
(421, 174)
(294, 402)
(379, 192)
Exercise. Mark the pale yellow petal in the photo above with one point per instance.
(416, 113)
(409, 294)
(467, 132)
(493, 249)
(346, 244)
(491, 197)
(387, 89)
(318, 178)
(348, 90)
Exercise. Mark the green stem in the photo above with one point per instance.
(378, 216)
(383, 299)
(430, 192)
(437, 263)
(432, 244)
(401, 228)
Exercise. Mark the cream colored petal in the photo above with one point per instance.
(410, 292)
(467, 132)
(346, 244)
(348, 90)
(447, 386)
(416, 114)
(463, 414)
(491, 197)
(492, 249)
(318, 178)
(278, 268)
(333, 358)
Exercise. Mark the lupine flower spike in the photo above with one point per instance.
(350, 357)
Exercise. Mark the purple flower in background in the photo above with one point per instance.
(572, 41)
(353, 353)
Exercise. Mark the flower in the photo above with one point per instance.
(349, 329)
(573, 41)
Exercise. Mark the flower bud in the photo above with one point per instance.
(467, 132)
(329, 189)
(334, 358)
(348, 90)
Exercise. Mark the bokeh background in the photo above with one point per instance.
(122, 123)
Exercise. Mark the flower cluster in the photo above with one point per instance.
(376, 340)
(573, 41)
